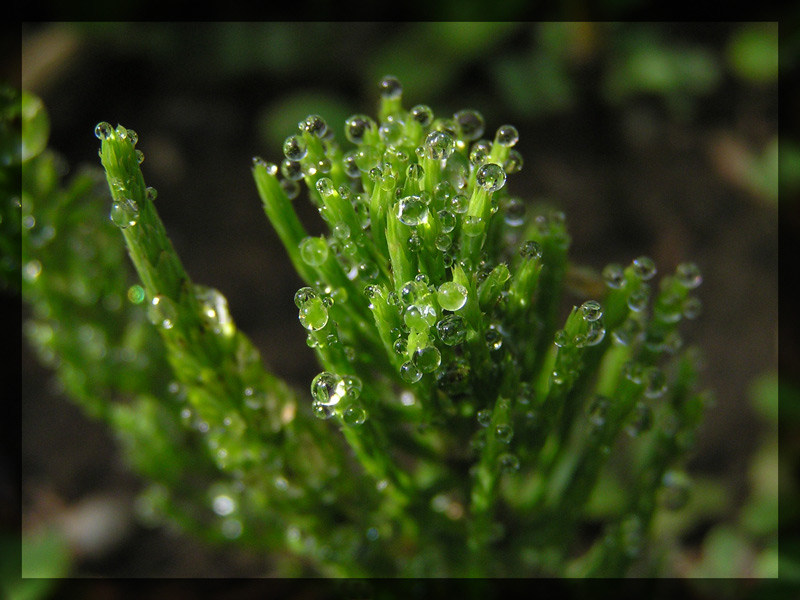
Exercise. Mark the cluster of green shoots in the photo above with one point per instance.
(459, 426)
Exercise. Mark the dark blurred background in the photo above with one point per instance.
(654, 138)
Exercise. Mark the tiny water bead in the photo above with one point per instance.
(410, 373)
(162, 312)
(390, 87)
(689, 275)
(295, 148)
(531, 250)
(513, 162)
(452, 330)
(504, 433)
(508, 463)
(644, 267)
(422, 114)
(328, 389)
(591, 310)
(313, 311)
(427, 359)
(315, 125)
(470, 124)
(411, 211)
(103, 130)
(614, 276)
(354, 415)
(491, 177)
(124, 213)
(507, 136)
(136, 294)
(439, 145)
(451, 295)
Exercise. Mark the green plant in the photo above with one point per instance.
(459, 426)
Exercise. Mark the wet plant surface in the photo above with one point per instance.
(637, 177)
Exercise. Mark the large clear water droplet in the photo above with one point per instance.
(411, 210)
(328, 389)
(491, 177)
(451, 295)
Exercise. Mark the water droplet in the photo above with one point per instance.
(491, 177)
(591, 310)
(315, 125)
(328, 389)
(103, 130)
(479, 152)
(136, 294)
(325, 187)
(419, 316)
(322, 411)
(494, 339)
(692, 307)
(439, 145)
(392, 132)
(354, 415)
(313, 313)
(595, 334)
(295, 148)
(504, 433)
(292, 169)
(561, 338)
(162, 312)
(642, 420)
(470, 124)
(410, 373)
(422, 114)
(124, 213)
(473, 226)
(656, 383)
(639, 298)
(484, 417)
(214, 310)
(689, 275)
(224, 505)
(531, 250)
(390, 87)
(290, 188)
(644, 267)
(411, 211)
(451, 295)
(415, 172)
(427, 359)
(614, 276)
(356, 127)
(509, 463)
(513, 211)
(459, 204)
(506, 135)
(676, 491)
(514, 162)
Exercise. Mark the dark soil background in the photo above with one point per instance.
(653, 172)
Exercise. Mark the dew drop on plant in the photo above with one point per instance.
(103, 130)
(591, 310)
(353, 386)
(513, 163)
(614, 276)
(479, 152)
(494, 339)
(509, 463)
(322, 411)
(452, 330)
(443, 242)
(304, 295)
(139, 156)
(328, 389)
(214, 310)
(427, 359)
(689, 275)
(314, 314)
(473, 226)
(595, 334)
(504, 433)
(506, 135)
(531, 250)
(223, 505)
(410, 373)
(124, 213)
(290, 188)
(561, 338)
(354, 415)
(439, 145)
(295, 148)
(692, 307)
(411, 211)
(470, 124)
(313, 251)
(390, 87)
(451, 295)
(639, 298)
(513, 211)
(422, 114)
(676, 490)
(644, 267)
(162, 312)
(491, 177)
(356, 127)
(315, 125)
